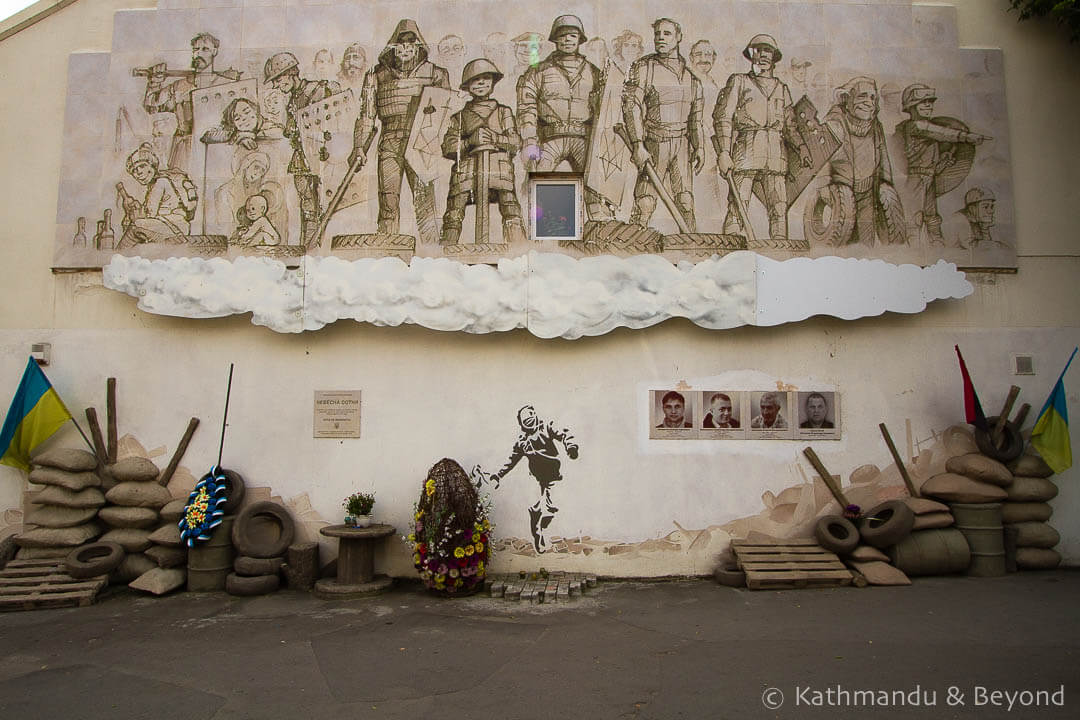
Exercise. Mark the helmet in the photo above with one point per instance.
(976, 195)
(765, 41)
(915, 94)
(478, 67)
(143, 154)
(278, 65)
(566, 21)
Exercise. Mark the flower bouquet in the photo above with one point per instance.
(451, 537)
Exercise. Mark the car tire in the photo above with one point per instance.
(263, 530)
(95, 559)
(886, 524)
(836, 534)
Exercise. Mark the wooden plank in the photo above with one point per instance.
(53, 600)
(46, 587)
(758, 567)
(816, 575)
(752, 584)
(762, 552)
(791, 557)
(48, 562)
(56, 579)
(29, 572)
(773, 543)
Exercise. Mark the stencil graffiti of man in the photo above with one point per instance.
(538, 444)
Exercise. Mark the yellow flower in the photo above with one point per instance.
(440, 578)
(458, 582)
(476, 537)
(429, 487)
(479, 547)
(416, 558)
(469, 550)
(412, 537)
(419, 515)
(459, 552)
(480, 567)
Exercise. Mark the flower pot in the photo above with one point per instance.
(363, 521)
(350, 521)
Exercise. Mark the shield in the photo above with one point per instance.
(424, 149)
(609, 169)
(955, 160)
(817, 138)
(326, 134)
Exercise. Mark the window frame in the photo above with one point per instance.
(557, 178)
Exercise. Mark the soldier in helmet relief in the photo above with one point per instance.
(391, 94)
(662, 103)
(754, 120)
(921, 135)
(483, 128)
(282, 71)
(557, 103)
(978, 208)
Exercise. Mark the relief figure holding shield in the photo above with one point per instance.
(391, 95)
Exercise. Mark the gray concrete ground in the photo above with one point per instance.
(688, 649)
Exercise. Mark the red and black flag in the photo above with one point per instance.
(973, 412)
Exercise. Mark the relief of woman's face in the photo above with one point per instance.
(245, 116)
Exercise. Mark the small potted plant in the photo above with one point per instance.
(358, 509)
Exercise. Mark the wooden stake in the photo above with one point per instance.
(834, 488)
(1021, 416)
(178, 454)
(95, 432)
(1003, 416)
(110, 418)
(899, 461)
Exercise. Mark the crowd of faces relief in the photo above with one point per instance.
(682, 137)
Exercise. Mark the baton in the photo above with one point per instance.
(654, 178)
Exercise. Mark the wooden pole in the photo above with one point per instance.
(834, 488)
(1021, 416)
(181, 448)
(1003, 416)
(95, 432)
(110, 418)
(899, 461)
(225, 419)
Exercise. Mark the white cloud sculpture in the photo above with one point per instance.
(550, 294)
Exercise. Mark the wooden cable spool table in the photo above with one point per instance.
(356, 562)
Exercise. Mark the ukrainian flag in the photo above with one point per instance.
(36, 413)
(1050, 436)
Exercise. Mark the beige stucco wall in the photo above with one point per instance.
(428, 395)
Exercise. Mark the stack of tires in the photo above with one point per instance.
(64, 511)
(261, 534)
(132, 512)
(1026, 511)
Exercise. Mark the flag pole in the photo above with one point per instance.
(86, 439)
(224, 420)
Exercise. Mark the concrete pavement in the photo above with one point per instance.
(685, 649)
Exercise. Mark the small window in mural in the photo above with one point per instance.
(556, 210)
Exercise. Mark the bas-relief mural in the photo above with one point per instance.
(792, 129)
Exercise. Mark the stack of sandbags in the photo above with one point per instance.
(929, 514)
(65, 510)
(134, 502)
(1026, 511)
(969, 478)
(167, 549)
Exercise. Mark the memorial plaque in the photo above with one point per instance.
(337, 414)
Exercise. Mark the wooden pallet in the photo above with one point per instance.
(39, 584)
(782, 564)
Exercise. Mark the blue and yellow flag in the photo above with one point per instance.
(36, 413)
(1050, 436)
